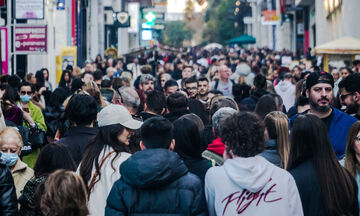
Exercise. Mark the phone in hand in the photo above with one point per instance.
(26, 110)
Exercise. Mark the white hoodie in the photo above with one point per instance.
(251, 186)
(286, 90)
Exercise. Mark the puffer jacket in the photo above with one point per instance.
(156, 182)
(8, 201)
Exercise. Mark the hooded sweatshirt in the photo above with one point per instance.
(286, 90)
(156, 182)
(251, 186)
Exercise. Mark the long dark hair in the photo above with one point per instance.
(40, 80)
(187, 139)
(107, 136)
(309, 139)
(8, 98)
(351, 163)
(62, 82)
(52, 157)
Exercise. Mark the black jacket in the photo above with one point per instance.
(172, 116)
(156, 182)
(8, 201)
(145, 115)
(309, 188)
(199, 167)
(29, 203)
(207, 136)
(76, 139)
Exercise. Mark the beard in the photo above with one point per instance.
(352, 109)
(317, 107)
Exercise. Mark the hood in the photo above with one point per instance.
(284, 86)
(217, 146)
(251, 173)
(152, 168)
(243, 69)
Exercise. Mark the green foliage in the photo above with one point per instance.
(220, 21)
(175, 33)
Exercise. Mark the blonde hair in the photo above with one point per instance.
(13, 132)
(93, 90)
(241, 80)
(65, 194)
(77, 72)
(277, 125)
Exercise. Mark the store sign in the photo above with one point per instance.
(269, 17)
(31, 39)
(29, 9)
(331, 6)
(122, 19)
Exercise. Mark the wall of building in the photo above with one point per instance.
(95, 42)
(56, 21)
(344, 22)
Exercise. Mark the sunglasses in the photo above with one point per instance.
(343, 96)
(26, 92)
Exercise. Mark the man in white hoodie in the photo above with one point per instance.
(248, 184)
(286, 90)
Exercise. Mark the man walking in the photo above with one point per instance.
(155, 181)
(319, 90)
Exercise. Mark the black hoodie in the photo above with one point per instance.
(156, 182)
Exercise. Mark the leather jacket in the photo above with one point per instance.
(8, 200)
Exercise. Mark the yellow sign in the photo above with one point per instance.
(58, 69)
(68, 57)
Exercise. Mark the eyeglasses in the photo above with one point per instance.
(343, 96)
(192, 88)
(26, 92)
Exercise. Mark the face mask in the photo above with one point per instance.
(25, 98)
(9, 158)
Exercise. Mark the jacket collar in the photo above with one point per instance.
(19, 166)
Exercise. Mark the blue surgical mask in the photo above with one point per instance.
(25, 98)
(9, 158)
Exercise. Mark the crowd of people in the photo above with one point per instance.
(220, 132)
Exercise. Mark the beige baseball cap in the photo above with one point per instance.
(117, 114)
